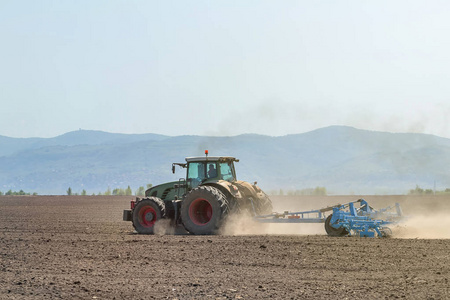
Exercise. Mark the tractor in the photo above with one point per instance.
(201, 202)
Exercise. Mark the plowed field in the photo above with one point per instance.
(76, 247)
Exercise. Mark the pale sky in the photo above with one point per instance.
(223, 67)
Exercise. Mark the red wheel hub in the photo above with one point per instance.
(200, 211)
(147, 216)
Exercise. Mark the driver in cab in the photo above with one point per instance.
(212, 172)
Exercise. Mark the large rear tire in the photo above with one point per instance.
(146, 213)
(331, 231)
(203, 210)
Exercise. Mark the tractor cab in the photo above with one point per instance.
(205, 169)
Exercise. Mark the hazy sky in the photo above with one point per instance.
(223, 67)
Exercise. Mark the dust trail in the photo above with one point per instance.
(424, 227)
(164, 227)
(426, 217)
(244, 224)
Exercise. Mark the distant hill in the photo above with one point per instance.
(81, 137)
(342, 159)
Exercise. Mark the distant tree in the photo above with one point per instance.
(140, 191)
(69, 191)
(83, 193)
(35, 194)
(320, 191)
(118, 192)
(275, 192)
(9, 193)
(1, 194)
(281, 192)
(128, 191)
(108, 192)
(308, 192)
(416, 191)
(149, 185)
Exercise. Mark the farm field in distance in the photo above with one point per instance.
(78, 247)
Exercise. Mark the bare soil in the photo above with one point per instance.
(76, 247)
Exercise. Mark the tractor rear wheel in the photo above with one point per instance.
(331, 231)
(203, 210)
(146, 213)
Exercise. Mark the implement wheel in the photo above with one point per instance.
(386, 232)
(331, 231)
(203, 210)
(146, 213)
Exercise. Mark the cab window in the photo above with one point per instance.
(226, 171)
(196, 173)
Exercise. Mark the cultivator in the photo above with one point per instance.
(345, 219)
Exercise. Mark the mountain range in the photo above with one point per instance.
(343, 159)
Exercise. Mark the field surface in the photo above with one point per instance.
(77, 247)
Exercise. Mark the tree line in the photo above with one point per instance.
(14, 193)
(317, 191)
(113, 192)
(420, 191)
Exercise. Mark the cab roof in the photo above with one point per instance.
(211, 158)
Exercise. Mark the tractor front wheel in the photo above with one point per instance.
(203, 210)
(146, 213)
(331, 231)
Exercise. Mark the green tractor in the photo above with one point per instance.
(200, 202)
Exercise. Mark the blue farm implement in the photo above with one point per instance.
(345, 219)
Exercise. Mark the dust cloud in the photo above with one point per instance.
(424, 227)
(164, 227)
(426, 217)
(244, 224)
(412, 227)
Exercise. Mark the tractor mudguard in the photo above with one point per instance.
(238, 189)
(226, 187)
(249, 190)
